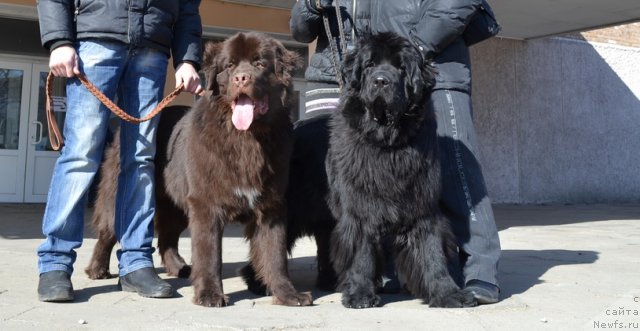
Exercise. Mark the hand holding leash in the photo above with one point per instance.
(55, 137)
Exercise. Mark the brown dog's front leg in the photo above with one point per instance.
(206, 242)
(269, 259)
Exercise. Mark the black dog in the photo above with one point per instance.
(384, 178)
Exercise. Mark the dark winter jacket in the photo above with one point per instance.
(435, 26)
(171, 26)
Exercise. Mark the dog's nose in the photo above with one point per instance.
(241, 79)
(381, 82)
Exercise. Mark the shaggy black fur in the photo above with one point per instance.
(384, 178)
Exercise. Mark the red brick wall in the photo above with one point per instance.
(624, 35)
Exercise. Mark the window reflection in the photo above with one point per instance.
(10, 102)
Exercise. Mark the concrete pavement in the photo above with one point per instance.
(564, 267)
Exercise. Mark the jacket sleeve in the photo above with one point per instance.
(56, 21)
(187, 35)
(441, 22)
(305, 22)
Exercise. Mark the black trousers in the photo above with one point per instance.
(464, 193)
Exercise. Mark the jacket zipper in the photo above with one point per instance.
(76, 11)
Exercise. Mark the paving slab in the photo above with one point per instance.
(563, 267)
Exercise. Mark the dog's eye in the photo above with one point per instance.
(259, 64)
(369, 64)
(230, 64)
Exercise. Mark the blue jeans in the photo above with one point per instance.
(464, 194)
(136, 78)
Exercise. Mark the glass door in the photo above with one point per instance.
(15, 80)
(41, 157)
(26, 156)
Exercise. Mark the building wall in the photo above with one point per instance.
(558, 118)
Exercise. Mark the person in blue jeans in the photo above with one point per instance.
(123, 47)
(436, 28)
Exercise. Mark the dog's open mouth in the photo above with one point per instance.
(244, 110)
(381, 113)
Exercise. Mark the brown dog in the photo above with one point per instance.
(226, 159)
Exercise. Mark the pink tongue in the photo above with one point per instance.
(242, 113)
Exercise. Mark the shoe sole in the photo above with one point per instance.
(483, 300)
(59, 297)
(161, 294)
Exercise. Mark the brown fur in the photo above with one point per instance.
(208, 173)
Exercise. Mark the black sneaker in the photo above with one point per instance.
(146, 283)
(484, 292)
(55, 286)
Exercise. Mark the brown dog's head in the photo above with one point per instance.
(251, 72)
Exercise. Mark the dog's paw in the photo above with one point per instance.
(211, 300)
(98, 273)
(176, 267)
(360, 299)
(458, 299)
(295, 299)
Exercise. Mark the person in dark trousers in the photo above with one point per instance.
(123, 47)
(435, 27)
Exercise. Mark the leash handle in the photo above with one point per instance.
(55, 137)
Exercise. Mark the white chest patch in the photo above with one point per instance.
(251, 195)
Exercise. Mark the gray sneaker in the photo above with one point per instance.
(55, 286)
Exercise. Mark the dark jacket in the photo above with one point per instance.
(435, 26)
(171, 26)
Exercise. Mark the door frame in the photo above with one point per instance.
(39, 164)
(28, 105)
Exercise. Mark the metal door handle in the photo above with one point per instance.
(38, 132)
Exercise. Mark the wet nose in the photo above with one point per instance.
(241, 79)
(381, 82)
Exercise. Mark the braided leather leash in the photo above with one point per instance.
(55, 137)
(335, 54)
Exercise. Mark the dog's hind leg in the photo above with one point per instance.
(103, 218)
(269, 260)
(327, 279)
(170, 222)
(98, 267)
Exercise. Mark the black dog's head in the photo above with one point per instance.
(387, 89)
(252, 73)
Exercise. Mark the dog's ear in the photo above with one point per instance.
(352, 69)
(421, 75)
(211, 65)
(286, 62)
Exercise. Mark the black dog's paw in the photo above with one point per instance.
(360, 299)
(253, 285)
(458, 299)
